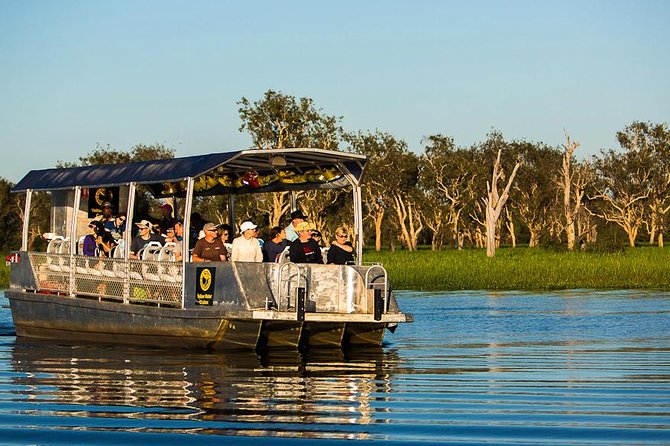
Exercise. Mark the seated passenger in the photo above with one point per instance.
(167, 221)
(143, 239)
(341, 250)
(209, 248)
(297, 217)
(246, 247)
(305, 249)
(90, 247)
(275, 246)
(105, 240)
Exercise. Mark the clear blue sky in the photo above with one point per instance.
(77, 73)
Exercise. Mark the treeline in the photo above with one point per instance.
(491, 193)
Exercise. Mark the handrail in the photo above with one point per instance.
(280, 282)
(376, 286)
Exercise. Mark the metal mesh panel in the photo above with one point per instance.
(154, 281)
(52, 271)
(138, 281)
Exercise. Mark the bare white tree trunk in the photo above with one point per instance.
(495, 202)
(569, 211)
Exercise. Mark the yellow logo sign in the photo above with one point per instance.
(205, 279)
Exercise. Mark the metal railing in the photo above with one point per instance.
(133, 281)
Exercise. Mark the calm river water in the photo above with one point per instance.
(565, 368)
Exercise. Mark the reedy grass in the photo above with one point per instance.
(525, 269)
(516, 269)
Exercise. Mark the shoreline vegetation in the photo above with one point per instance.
(518, 268)
(525, 269)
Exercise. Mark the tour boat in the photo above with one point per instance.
(61, 295)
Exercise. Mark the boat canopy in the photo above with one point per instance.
(240, 172)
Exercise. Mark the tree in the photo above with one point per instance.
(623, 189)
(447, 173)
(389, 182)
(533, 195)
(10, 225)
(281, 121)
(653, 140)
(494, 201)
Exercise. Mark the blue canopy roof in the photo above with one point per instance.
(227, 168)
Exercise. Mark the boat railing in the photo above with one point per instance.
(156, 282)
(290, 277)
(376, 280)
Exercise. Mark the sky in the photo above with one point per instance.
(77, 73)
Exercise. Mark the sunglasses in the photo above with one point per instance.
(341, 235)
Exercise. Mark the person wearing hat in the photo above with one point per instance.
(297, 217)
(246, 247)
(108, 219)
(305, 249)
(209, 248)
(143, 239)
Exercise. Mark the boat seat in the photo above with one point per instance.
(150, 251)
(284, 256)
(167, 252)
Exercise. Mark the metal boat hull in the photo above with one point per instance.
(78, 320)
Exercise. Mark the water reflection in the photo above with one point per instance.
(316, 388)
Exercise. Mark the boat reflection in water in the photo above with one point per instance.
(281, 394)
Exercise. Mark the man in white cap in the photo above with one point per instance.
(143, 239)
(246, 247)
(209, 248)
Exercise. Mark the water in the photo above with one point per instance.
(567, 368)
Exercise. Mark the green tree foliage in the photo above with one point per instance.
(652, 141)
(281, 121)
(10, 223)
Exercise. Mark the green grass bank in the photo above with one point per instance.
(516, 269)
(525, 269)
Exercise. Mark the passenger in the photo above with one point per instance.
(90, 247)
(119, 226)
(105, 241)
(143, 239)
(108, 218)
(275, 245)
(297, 217)
(305, 249)
(246, 247)
(175, 235)
(209, 248)
(167, 221)
(224, 233)
(179, 230)
(341, 251)
(170, 236)
(316, 235)
(195, 228)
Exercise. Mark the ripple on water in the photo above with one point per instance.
(475, 368)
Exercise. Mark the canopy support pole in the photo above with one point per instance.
(74, 242)
(231, 214)
(358, 223)
(186, 243)
(26, 220)
(127, 239)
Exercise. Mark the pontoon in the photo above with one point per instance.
(156, 300)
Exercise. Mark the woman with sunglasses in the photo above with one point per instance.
(341, 251)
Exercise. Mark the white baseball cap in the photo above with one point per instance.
(247, 225)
